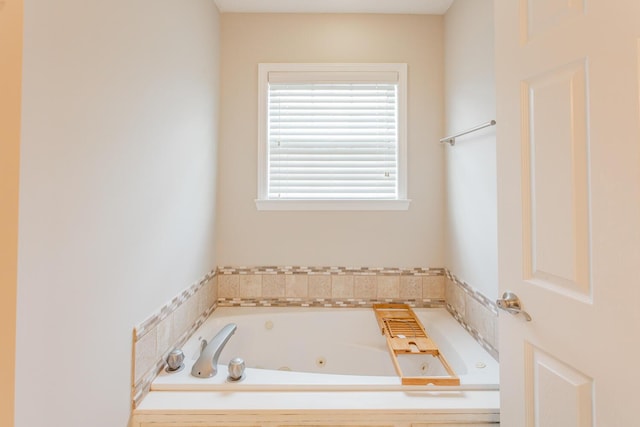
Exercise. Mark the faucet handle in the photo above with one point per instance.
(174, 360)
(236, 369)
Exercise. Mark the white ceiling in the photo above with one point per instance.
(436, 7)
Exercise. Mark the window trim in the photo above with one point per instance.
(264, 203)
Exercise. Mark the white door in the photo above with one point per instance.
(568, 144)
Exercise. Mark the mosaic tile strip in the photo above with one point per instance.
(473, 332)
(474, 293)
(474, 311)
(168, 328)
(153, 320)
(141, 388)
(419, 271)
(326, 302)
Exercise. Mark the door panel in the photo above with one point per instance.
(556, 394)
(555, 180)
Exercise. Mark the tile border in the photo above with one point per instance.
(466, 321)
(202, 301)
(473, 332)
(383, 287)
(357, 284)
(365, 271)
(327, 302)
(142, 387)
(152, 321)
(474, 293)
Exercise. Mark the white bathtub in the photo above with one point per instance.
(341, 375)
(325, 349)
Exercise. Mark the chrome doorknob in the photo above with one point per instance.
(511, 304)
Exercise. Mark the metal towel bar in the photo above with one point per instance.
(452, 139)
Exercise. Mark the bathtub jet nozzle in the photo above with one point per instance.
(207, 364)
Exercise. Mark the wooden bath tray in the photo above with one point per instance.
(406, 336)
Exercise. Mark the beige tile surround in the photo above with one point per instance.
(474, 311)
(358, 286)
(168, 328)
(173, 323)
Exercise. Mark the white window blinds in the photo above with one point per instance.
(332, 137)
(332, 141)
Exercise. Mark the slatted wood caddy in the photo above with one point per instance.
(406, 335)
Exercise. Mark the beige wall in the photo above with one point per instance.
(10, 77)
(409, 238)
(471, 239)
(117, 192)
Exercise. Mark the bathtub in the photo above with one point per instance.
(302, 362)
(327, 349)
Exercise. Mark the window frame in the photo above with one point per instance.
(263, 202)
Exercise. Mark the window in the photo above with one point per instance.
(332, 137)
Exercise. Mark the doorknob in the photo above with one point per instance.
(511, 304)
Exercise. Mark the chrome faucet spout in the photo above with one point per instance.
(207, 364)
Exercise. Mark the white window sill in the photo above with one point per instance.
(332, 205)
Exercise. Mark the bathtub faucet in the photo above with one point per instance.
(207, 364)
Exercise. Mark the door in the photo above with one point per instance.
(568, 147)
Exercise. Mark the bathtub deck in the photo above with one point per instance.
(398, 409)
(276, 381)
